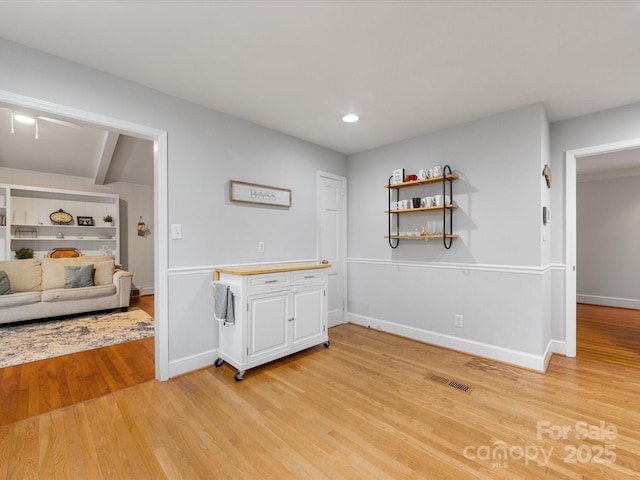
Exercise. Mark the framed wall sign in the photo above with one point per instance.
(262, 194)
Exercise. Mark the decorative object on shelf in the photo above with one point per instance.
(143, 230)
(546, 173)
(260, 194)
(59, 235)
(26, 232)
(64, 253)
(60, 217)
(398, 176)
(105, 250)
(108, 219)
(433, 229)
(23, 253)
(85, 222)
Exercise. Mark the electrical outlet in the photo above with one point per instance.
(457, 320)
(260, 247)
(176, 231)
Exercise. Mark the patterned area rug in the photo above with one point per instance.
(53, 338)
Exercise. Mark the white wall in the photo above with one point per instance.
(136, 253)
(608, 246)
(608, 126)
(206, 149)
(495, 275)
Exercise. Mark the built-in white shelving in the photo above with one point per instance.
(27, 209)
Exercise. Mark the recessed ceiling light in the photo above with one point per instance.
(24, 118)
(350, 118)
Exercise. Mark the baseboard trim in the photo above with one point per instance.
(609, 301)
(193, 362)
(506, 355)
(554, 346)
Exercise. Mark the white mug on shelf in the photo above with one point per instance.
(422, 174)
(437, 171)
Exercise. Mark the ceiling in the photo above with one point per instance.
(65, 148)
(405, 67)
(621, 163)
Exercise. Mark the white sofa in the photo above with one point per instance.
(39, 291)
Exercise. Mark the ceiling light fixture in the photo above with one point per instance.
(24, 118)
(30, 120)
(350, 118)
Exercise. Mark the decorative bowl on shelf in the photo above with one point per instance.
(105, 237)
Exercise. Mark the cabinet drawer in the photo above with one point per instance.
(307, 277)
(268, 281)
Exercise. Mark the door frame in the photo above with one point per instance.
(343, 181)
(570, 236)
(160, 196)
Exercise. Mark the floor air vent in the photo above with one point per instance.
(459, 386)
(449, 383)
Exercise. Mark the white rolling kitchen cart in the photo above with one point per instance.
(280, 309)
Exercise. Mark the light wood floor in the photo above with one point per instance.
(371, 406)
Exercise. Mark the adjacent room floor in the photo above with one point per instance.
(40, 387)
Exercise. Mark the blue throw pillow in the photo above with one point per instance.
(5, 286)
(77, 277)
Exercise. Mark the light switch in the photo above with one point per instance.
(176, 231)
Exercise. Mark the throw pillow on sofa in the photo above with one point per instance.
(78, 277)
(5, 286)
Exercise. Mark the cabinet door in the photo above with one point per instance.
(308, 314)
(268, 325)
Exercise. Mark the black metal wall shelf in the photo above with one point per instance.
(447, 235)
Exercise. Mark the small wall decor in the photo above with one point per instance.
(546, 173)
(261, 194)
(85, 222)
(143, 230)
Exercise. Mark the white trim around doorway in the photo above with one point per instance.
(160, 182)
(570, 236)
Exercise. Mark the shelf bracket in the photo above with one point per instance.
(391, 215)
(447, 231)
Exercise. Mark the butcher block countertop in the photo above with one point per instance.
(266, 268)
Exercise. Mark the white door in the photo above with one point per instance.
(332, 244)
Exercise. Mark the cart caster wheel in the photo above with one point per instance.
(326, 344)
(218, 362)
(239, 376)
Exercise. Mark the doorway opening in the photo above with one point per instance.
(160, 186)
(571, 158)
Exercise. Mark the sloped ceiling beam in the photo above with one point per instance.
(108, 147)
